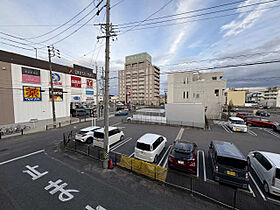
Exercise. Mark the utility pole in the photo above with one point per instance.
(51, 53)
(96, 84)
(109, 33)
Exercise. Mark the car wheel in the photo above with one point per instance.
(122, 138)
(265, 186)
(274, 128)
(156, 159)
(89, 141)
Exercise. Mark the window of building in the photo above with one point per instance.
(197, 95)
(221, 77)
(134, 64)
(184, 95)
(214, 78)
(217, 92)
(187, 94)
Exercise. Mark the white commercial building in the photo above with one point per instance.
(25, 88)
(195, 87)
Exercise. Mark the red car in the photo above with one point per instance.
(242, 114)
(259, 121)
(183, 156)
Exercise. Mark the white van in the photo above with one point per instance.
(149, 147)
(115, 135)
(267, 167)
(237, 124)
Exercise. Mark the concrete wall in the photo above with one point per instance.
(6, 94)
(237, 97)
(188, 114)
(192, 87)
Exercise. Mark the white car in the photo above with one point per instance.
(237, 124)
(149, 147)
(85, 135)
(115, 135)
(267, 167)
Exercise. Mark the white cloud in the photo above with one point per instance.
(246, 20)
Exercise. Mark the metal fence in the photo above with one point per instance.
(222, 194)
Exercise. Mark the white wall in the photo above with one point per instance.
(186, 113)
(42, 110)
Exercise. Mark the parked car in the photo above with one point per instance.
(263, 113)
(149, 146)
(121, 113)
(276, 128)
(85, 135)
(183, 156)
(115, 135)
(259, 121)
(267, 167)
(229, 164)
(242, 114)
(237, 124)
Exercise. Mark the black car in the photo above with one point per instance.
(263, 113)
(229, 164)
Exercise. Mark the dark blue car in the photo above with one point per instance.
(121, 113)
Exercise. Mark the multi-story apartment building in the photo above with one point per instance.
(139, 82)
(196, 87)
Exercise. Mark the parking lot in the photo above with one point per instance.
(263, 139)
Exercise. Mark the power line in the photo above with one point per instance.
(203, 19)
(13, 45)
(161, 8)
(116, 4)
(203, 14)
(35, 37)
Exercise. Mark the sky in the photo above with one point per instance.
(242, 32)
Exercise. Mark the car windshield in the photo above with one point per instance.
(83, 132)
(232, 162)
(99, 135)
(277, 173)
(239, 122)
(181, 155)
(183, 147)
(143, 146)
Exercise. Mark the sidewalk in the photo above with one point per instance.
(42, 125)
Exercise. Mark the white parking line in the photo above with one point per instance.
(204, 168)
(120, 144)
(226, 128)
(261, 193)
(131, 154)
(251, 191)
(197, 170)
(21, 157)
(165, 162)
(272, 133)
(164, 155)
(179, 136)
(252, 133)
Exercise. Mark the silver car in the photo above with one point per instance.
(267, 167)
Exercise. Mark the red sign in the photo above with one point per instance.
(89, 83)
(76, 82)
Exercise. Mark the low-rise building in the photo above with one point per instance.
(195, 87)
(237, 98)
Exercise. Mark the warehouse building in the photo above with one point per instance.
(25, 88)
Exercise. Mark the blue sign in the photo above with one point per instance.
(89, 92)
(56, 79)
(76, 98)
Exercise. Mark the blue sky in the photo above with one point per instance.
(253, 31)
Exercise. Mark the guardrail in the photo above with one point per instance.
(224, 195)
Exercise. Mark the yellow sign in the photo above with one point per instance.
(32, 93)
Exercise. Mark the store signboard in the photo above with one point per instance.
(32, 93)
(30, 75)
(57, 79)
(57, 94)
(76, 82)
(89, 92)
(76, 98)
(89, 83)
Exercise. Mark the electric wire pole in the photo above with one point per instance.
(51, 53)
(106, 96)
(96, 84)
(109, 33)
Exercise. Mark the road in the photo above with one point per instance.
(49, 179)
